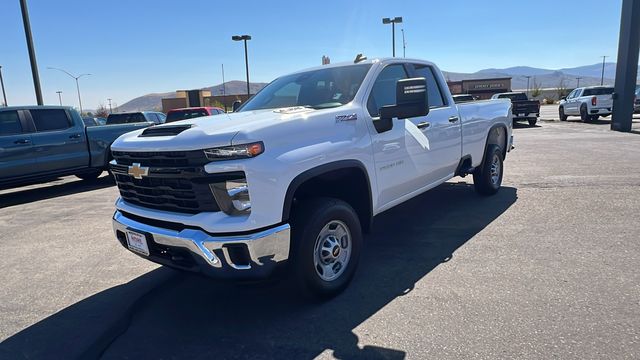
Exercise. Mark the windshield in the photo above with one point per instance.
(125, 118)
(185, 114)
(598, 91)
(318, 89)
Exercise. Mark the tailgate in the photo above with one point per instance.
(604, 101)
(526, 107)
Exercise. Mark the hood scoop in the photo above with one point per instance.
(169, 130)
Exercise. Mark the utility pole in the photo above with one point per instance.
(110, 110)
(393, 22)
(528, 77)
(404, 45)
(602, 77)
(59, 92)
(224, 91)
(32, 51)
(246, 56)
(578, 84)
(4, 93)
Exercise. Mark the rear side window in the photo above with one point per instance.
(50, 119)
(186, 114)
(126, 118)
(435, 95)
(10, 123)
(384, 89)
(598, 91)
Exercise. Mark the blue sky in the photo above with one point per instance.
(136, 47)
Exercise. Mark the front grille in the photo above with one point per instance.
(161, 158)
(176, 181)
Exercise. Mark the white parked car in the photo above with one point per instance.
(587, 102)
(298, 173)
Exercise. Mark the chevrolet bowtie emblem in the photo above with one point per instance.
(138, 171)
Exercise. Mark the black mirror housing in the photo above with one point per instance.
(412, 100)
(236, 105)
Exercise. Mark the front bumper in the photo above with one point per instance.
(254, 255)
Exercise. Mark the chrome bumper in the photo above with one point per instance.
(212, 254)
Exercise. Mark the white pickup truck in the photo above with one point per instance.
(297, 174)
(587, 102)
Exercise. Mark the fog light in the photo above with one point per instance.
(232, 196)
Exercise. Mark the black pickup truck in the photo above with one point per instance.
(523, 108)
(43, 142)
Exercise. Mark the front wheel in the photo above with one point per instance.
(326, 243)
(91, 175)
(487, 178)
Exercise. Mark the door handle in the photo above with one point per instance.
(423, 125)
(453, 119)
(75, 136)
(22, 141)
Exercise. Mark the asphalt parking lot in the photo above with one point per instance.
(548, 268)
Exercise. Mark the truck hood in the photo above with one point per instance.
(209, 131)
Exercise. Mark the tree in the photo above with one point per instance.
(537, 88)
(101, 111)
(562, 89)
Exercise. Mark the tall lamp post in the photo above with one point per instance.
(602, 77)
(528, 77)
(59, 92)
(578, 84)
(404, 45)
(246, 57)
(110, 110)
(32, 51)
(4, 94)
(393, 22)
(77, 84)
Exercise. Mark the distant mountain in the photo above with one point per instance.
(153, 101)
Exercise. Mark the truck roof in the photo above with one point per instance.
(30, 107)
(367, 61)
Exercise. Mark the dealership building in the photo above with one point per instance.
(480, 88)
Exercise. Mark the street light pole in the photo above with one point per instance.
(528, 77)
(59, 96)
(110, 110)
(32, 51)
(404, 45)
(77, 83)
(602, 77)
(4, 93)
(224, 91)
(393, 22)
(246, 56)
(578, 84)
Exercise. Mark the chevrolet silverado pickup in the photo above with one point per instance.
(295, 176)
(523, 108)
(42, 142)
(587, 102)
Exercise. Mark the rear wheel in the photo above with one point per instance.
(584, 115)
(326, 244)
(487, 178)
(533, 121)
(91, 175)
(563, 117)
(594, 117)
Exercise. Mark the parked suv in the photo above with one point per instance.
(587, 102)
(192, 112)
(137, 117)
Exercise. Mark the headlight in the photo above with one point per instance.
(243, 151)
(232, 196)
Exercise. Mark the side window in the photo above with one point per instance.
(10, 123)
(50, 119)
(153, 117)
(162, 117)
(433, 88)
(384, 89)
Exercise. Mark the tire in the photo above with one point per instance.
(584, 116)
(487, 178)
(89, 176)
(563, 117)
(594, 117)
(331, 224)
(533, 121)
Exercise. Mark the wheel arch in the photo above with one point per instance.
(347, 180)
(497, 135)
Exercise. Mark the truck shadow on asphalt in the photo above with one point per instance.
(26, 193)
(180, 316)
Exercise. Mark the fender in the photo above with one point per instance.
(504, 146)
(323, 169)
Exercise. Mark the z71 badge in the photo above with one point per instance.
(349, 117)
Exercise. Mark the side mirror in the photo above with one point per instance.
(412, 100)
(236, 105)
(563, 98)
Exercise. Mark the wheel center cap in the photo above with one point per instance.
(336, 251)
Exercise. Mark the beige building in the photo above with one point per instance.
(480, 88)
(197, 98)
